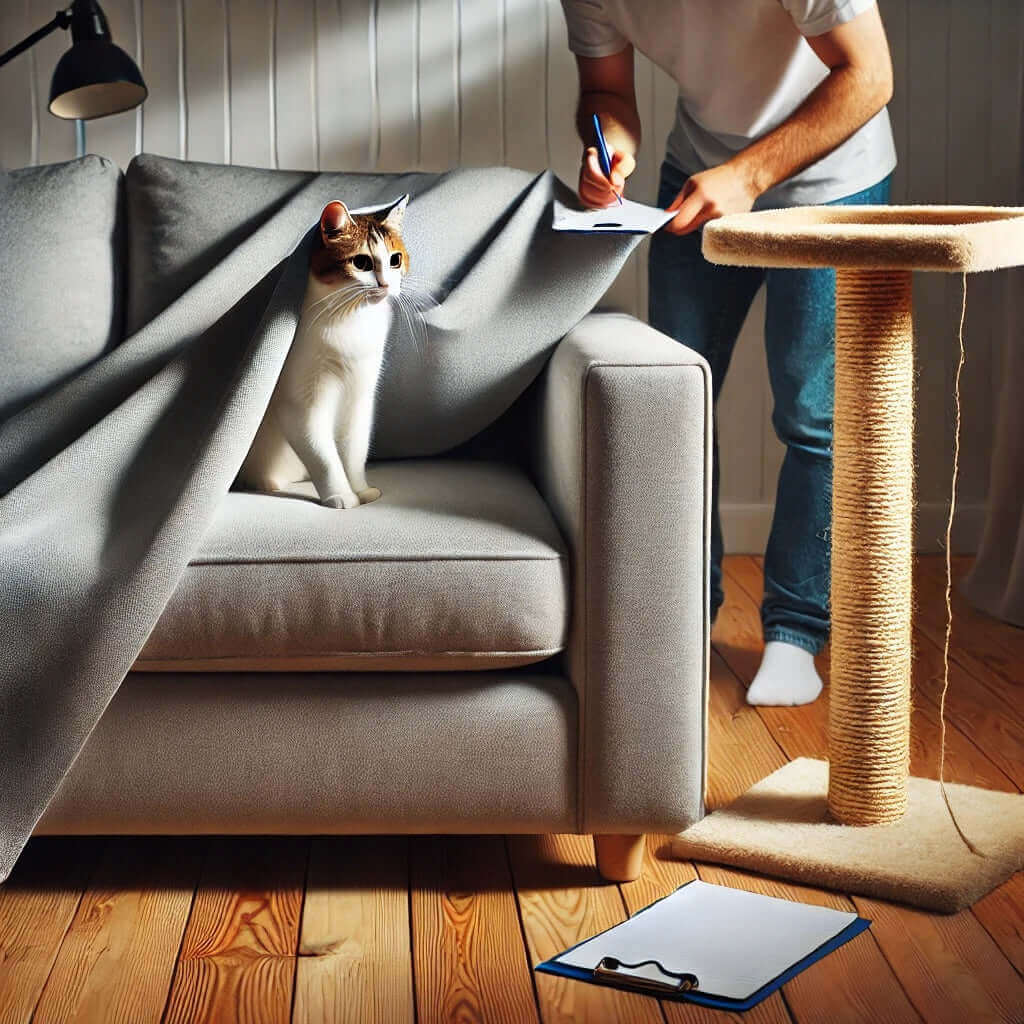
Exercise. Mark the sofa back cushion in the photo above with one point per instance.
(60, 280)
(184, 218)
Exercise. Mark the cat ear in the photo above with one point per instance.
(334, 219)
(393, 218)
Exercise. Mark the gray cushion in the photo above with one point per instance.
(60, 247)
(184, 218)
(458, 566)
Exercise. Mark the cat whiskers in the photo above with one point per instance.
(413, 318)
(332, 296)
(340, 302)
(420, 290)
(412, 301)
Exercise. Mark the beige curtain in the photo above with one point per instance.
(996, 580)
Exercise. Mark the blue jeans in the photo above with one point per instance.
(704, 306)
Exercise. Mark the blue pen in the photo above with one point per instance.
(602, 155)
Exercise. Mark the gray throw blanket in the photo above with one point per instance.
(110, 479)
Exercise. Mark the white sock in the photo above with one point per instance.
(787, 676)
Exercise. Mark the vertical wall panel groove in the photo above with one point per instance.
(294, 99)
(372, 47)
(206, 73)
(523, 87)
(272, 81)
(562, 144)
(17, 137)
(396, 86)
(139, 111)
(35, 109)
(314, 84)
(182, 95)
(161, 27)
(346, 84)
(500, 76)
(480, 98)
(417, 80)
(226, 71)
(439, 107)
(458, 74)
(251, 82)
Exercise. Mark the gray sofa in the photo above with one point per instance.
(514, 639)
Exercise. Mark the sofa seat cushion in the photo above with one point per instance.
(459, 565)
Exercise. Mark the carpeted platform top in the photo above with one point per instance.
(947, 238)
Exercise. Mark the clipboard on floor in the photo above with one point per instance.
(709, 944)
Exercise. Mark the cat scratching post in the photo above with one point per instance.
(860, 823)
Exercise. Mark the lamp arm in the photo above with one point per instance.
(61, 20)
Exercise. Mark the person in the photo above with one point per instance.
(781, 103)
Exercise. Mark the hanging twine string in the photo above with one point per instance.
(949, 580)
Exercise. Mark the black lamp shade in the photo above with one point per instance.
(95, 78)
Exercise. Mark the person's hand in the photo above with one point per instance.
(710, 194)
(595, 190)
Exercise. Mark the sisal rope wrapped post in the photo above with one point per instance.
(872, 505)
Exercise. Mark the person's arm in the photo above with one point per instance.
(607, 89)
(858, 86)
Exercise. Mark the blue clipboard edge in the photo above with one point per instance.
(851, 931)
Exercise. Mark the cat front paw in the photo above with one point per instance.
(369, 494)
(350, 500)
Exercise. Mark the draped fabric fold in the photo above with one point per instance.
(110, 479)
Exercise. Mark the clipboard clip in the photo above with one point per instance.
(609, 969)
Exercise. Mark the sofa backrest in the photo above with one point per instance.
(183, 218)
(60, 273)
(508, 287)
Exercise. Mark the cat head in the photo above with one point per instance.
(362, 250)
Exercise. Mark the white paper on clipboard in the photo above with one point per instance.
(734, 942)
(628, 219)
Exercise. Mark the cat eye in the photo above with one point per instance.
(362, 262)
(396, 259)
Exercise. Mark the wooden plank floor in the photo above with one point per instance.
(446, 929)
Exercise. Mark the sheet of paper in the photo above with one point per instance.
(735, 942)
(630, 219)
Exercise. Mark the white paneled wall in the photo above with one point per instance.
(364, 84)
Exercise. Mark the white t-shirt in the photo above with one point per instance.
(743, 66)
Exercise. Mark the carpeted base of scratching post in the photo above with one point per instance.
(781, 827)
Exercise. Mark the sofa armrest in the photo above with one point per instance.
(623, 458)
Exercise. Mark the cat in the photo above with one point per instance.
(317, 426)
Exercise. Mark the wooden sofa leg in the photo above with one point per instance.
(619, 858)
